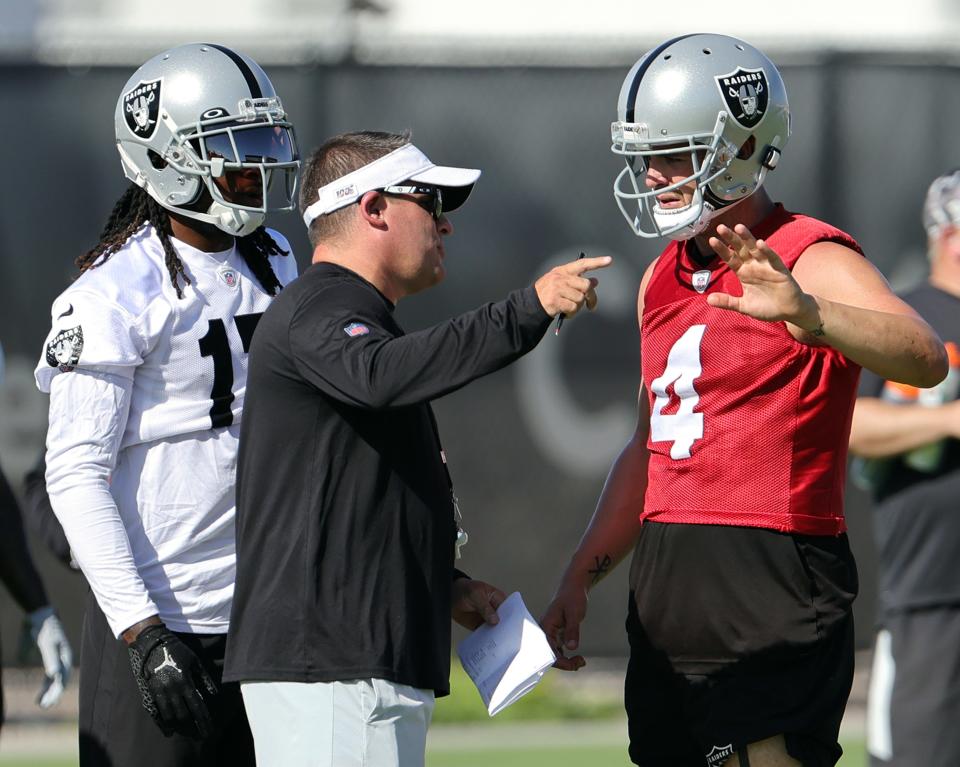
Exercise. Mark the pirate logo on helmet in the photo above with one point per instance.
(746, 94)
(141, 106)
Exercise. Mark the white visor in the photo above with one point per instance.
(404, 164)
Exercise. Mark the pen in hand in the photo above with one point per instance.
(561, 317)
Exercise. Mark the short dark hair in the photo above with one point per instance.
(336, 158)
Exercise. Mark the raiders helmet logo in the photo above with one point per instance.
(141, 107)
(64, 349)
(746, 94)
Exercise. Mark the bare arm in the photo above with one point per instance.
(613, 529)
(833, 296)
(610, 535)
(882, 429)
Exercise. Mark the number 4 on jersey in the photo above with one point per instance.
(684, 427)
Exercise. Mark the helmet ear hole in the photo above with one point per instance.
(156, 160)
(747, 148)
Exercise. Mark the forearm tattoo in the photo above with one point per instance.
(602, 567)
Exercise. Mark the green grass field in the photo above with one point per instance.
(601, 756)
(854, 755)
(26, 761)
(556, 725)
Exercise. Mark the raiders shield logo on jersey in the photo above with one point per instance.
(746, 94)
(64, 349)
(719, 754)
(141, 106)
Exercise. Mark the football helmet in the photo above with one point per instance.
(705, 95)
(196, 112)
(941, 207)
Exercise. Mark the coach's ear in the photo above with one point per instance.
(371, 209)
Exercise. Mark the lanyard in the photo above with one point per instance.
(462, 536)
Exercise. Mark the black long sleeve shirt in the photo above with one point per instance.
(345, 524)
(17, 570)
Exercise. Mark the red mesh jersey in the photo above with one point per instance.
(747, 426)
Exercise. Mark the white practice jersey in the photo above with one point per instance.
(146, 395)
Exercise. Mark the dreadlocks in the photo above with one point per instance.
(135, 208)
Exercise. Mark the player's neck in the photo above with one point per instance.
(199, 234)
(749, 212)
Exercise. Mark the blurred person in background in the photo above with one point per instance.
(19, 574)
(22, 579)
(39, 516)
(754, 324)
(347, 521)
(908, 445)
(146, 369)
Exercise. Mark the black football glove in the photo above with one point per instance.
(172, 683)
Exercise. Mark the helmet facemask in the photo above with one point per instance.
(710, 157)
(259, 144)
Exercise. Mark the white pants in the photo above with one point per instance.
(358, 723)
(882, 675)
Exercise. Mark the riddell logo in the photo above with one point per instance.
(719, 754)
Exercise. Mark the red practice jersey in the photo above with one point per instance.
(748, 426)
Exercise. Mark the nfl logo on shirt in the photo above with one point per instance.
(356, 329)
(701, 279)
(229, 276)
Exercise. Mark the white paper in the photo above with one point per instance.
(506, 661)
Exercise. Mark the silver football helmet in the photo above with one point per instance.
(705, 95)
(193, 114)
(941, 206)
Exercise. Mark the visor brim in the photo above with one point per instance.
(456, 183)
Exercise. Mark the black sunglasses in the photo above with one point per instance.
(433, 204)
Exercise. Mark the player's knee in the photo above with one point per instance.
(771, 752)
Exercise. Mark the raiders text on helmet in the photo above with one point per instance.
(706, 95)
(195, 112)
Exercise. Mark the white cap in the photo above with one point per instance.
(942, 204)
(404, 164)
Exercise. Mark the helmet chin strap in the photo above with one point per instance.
(693, 219)
(233, 221)
(238, 223)
(686, 222)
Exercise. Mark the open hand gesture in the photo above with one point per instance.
(770, 291)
